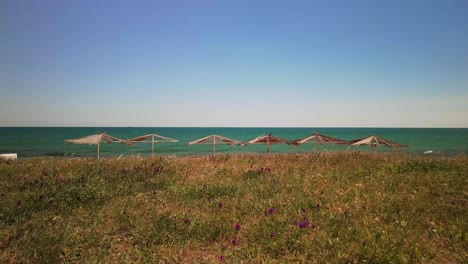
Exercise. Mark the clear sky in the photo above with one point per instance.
(234, 63)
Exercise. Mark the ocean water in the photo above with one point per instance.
(49, 141)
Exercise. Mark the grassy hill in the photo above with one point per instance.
(334, 207)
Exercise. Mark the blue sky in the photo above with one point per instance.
(234, 63)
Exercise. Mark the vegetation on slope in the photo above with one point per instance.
(337, 207)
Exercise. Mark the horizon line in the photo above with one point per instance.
(229, 127)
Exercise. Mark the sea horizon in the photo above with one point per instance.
(448, 127)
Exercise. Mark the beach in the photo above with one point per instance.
(325, 207)
(234, 132)
(30, 142)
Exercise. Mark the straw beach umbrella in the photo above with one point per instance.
(374, 141)
(317, 138)
(151, 137)
(268, 140)
(97, 139)
(214, 139)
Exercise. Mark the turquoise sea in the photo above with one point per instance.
(49, 141)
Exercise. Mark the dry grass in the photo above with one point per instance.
(353, 207)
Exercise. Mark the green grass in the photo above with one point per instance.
(384, 208)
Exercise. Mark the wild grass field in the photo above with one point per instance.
(336, 208)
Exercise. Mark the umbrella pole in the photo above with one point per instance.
(152, 146)
(214, 148)
(315, 147)
(98, 145)
(268, 146)
(372, 151)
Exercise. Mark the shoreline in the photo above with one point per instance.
(33, 142)
(253, 154)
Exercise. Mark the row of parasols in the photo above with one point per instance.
(267, 140)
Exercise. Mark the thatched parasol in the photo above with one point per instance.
(268, 140)
(317, 138)
(143, 139)
(374, 141)
(214, 139)
(97, 139)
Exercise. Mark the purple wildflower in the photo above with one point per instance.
(158, 169)
(238, 226)
(304, 224)
(220, 205)
(272, 234)
(221, 258)
(187, 221)
(271, 210)
(235, 242)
